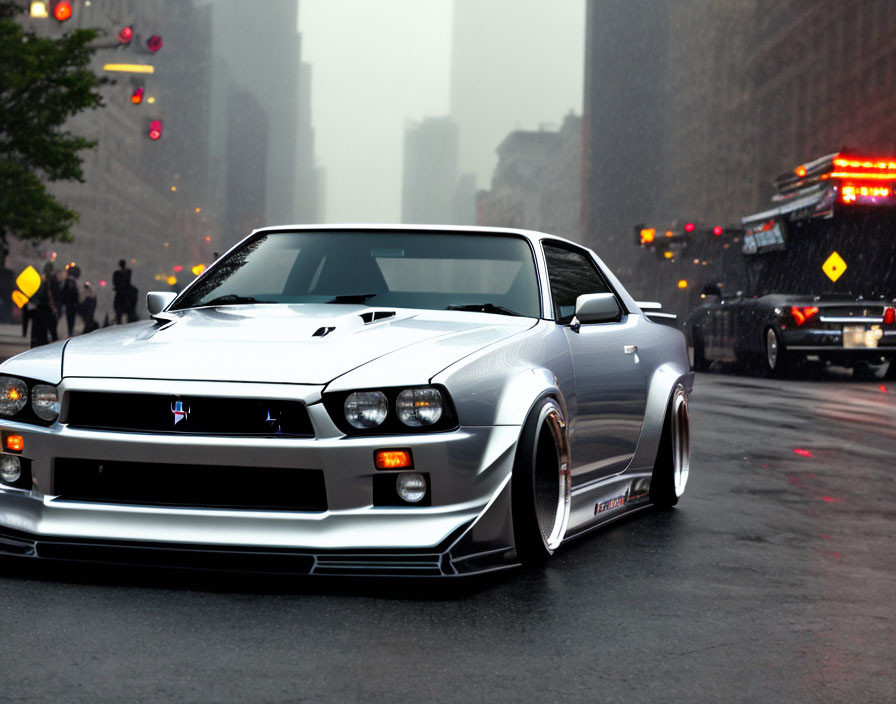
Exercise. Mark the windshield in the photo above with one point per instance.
(401, 269)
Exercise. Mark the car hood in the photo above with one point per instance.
(302, 344)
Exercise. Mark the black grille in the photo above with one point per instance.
(201, 486)
(188, 415)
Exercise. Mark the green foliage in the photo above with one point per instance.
(43, 82)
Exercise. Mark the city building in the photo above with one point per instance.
(430, 175)
(537, 182)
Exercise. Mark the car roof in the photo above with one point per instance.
(531, 235)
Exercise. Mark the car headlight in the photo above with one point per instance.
(45, 402)
(366, 409)
(13, 395)
(418, 407)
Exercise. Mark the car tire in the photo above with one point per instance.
(701, 364)
(540, 484)
(672, 465)
(775, 360)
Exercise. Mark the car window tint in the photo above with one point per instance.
(476, 276)
(571, 274)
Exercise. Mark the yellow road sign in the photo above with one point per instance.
(834, 266)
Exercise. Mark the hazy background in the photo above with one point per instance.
(493, 66)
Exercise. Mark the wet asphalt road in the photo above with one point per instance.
(773, 581)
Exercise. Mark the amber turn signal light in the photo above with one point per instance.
(15, 443)
(393, 459)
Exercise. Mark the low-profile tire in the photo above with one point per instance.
(701, 363)
(540, 485)
(672, 465)
(775, 361)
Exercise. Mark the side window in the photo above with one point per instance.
(571, 274)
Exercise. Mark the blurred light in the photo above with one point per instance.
(696, 261)
(154, 43)
(802, 313)
(717, 230)
(863, 174)
(800, 171)
(137, 95)
(198, 210)
(669, 233)
(15, 443)
(102, 282)
(39, 10)
(159, 277)
(151, 99)
(133, 260)
(155, 130)
(166, 244)
(53, 255)
(198, 269)
(865, 164)
(19, 298)
(178, 268)
(883, 389)
(801, 452)
(689, 227)
(173, 188)
(208, 238)
(668, 255)
(682, 283)
(172, 280)
(393, 459)
(889, 316)
(647, 235)
(129, 68)
(125, 34)
(62, 10)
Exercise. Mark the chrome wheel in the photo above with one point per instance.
(681, 441)
(771, 348)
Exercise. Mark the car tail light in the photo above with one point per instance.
(889, 316)
(802, 313)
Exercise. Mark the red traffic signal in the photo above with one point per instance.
(62, 10)
(718, 230)
(689, 227)
(137, 95)
(125, 34)
(154, 43)
(155, 130)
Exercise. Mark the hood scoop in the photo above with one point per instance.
(373, 316)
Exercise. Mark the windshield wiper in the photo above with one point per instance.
(484, 308)
(231, 299)
(352, 298)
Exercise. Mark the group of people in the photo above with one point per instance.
(59, 296)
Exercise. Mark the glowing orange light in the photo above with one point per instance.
(863, 175)
(13, 394)
(19, 298)
(208, 239)
(647, 235)
(802, 314)
(393, 459)
(800, 171)
(198, 210)
(682, 283)
(172, 280)
(198, 269)
(15, 443)
(669, 233)
(63, 10)
(668, 255)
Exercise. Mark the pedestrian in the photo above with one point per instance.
(43, 316)
(70, 298)
(125, 301)
(88, 308)
(56, 300)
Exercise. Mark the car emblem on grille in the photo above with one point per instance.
(180, 413)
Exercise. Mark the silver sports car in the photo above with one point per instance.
(351, 400)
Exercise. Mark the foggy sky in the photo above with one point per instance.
(378, 65)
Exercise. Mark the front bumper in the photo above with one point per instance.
(467, 527)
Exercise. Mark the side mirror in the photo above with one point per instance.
(157, 301)
(712, 290)
(597, 308)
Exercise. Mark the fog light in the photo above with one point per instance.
(411, 486)
(11, 470)
(393, 459)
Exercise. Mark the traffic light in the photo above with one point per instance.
(137, 96)
(718, 230)
(155, 130)
(39, 10)
(154, 43)
(62, 10)
(125, 34)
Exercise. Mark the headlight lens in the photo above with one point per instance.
(45, 402)
(13, 395)
(416, 407)
(10, 469)
(366, 409)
